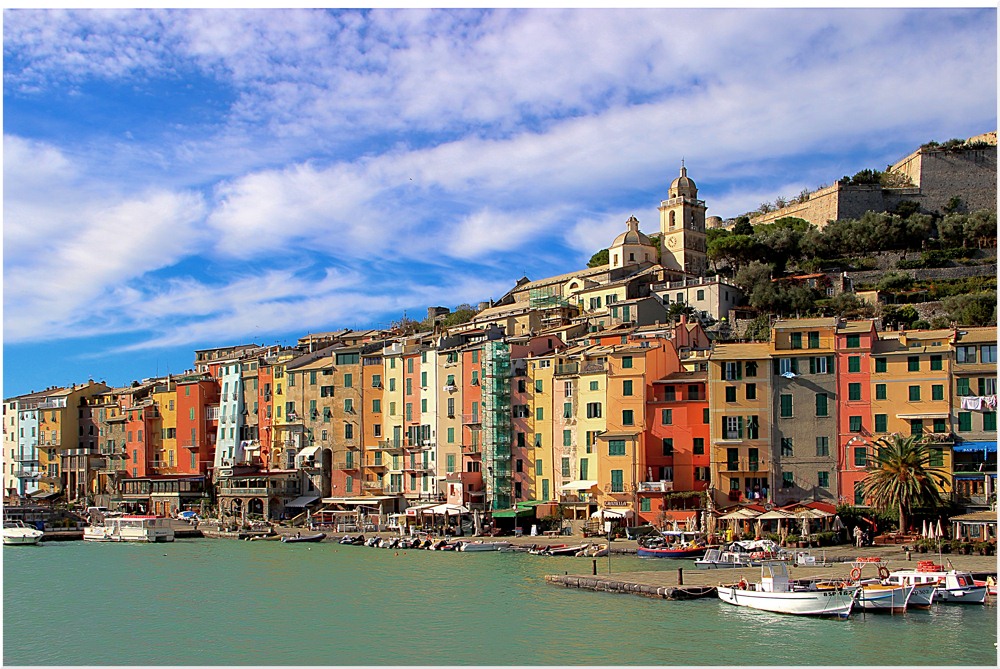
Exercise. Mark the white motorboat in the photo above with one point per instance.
(16, 533)
(877, 595)
(776, 593)
(922, 596)
(719, 559)
(480, 546)
(147, 529)
(950, 586)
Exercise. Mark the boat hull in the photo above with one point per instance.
(670, 552)
(974, 594)
(312, 538)
(474, 547)
(829, 603)
(878, 597)
(21, 539)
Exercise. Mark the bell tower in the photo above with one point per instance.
(682, 227)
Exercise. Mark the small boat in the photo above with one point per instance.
(146, 529)
(298, 538)
(776, 593)
(594, 550)
(990, 584)
(719, 559)
(482, 546)
(877, 595)
(951, 586)
(672, 544)
(17, 533)
(564, 550)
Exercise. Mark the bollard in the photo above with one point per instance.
(908, 558)
(680, 576)
(595, 567)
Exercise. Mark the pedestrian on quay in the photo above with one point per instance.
(858, 536)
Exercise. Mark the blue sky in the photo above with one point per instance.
(181, 179)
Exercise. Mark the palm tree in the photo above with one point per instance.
(900, 476)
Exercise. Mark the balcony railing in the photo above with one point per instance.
(389, 445)
(345, 465)
(656, 486)
(471, 418)
(567, 368)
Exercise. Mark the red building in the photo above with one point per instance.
(854, 367)
(197, 422)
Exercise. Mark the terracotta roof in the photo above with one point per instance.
(798, 323)
(977, 335)
(741, 351)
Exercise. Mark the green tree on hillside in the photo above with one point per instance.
(602, 257)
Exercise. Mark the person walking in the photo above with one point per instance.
(858, 536)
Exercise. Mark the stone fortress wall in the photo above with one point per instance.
(937, 174)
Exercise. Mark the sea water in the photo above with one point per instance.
(212, 602)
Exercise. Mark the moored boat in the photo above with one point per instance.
(17, 533)
(144, 529)
(719, 559)
(876, 595)
(951, 586)
(777, 594)
(308, 538)
(482, 546)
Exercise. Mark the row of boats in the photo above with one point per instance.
(894, 591)
(477, 546)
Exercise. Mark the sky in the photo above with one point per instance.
(182, 179)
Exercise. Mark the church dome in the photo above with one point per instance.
(683, 186)
(632, 236)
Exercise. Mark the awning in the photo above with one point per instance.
(418, 508)
(38, 494)
(578, 485)
(303, 501)
(775, 514)
(740, 514)
(972, 446)
(918, 416)
(612, 513)
(374, 499)
(446, 510)
(513, 513)
(618, 435)
(308, 452)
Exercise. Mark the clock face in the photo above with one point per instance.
(672, 242)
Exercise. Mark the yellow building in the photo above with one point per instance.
(911, 394)
(740, 420)
(167, 454)
(540, 373)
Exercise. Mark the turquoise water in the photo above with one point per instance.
(211, 602)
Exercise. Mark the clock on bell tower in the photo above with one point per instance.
(682, 227)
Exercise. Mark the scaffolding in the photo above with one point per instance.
(549, 297)
(496, 425)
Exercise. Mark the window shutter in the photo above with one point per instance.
(829, 364)
(739, 427)
(795, 365)
(812, 365)
(739, 371)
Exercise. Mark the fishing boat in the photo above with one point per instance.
(777, 594)
(309, 538)
(145, 529)
(563, 549)
(990, 584)
(879, 594)
(951, 586)
(482, 546)
(720, 559)
(17, 533)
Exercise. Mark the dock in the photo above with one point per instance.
(632, 584)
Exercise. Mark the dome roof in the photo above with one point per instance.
(632, 236)
(683, 186)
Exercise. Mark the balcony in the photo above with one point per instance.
(471, 419)
(656, 486)
(389, 445)
(594, 367)
(344, 465)
(567, 369)
(26, 474)
(193, 445)
(372, 486)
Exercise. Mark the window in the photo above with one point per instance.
(751, 369)
(392, 382)
(538, 467)
(668, 446)
(539, 384)
(880, 391)
(965, 421)
(626, 362)
(545, 490)
(733, 371)
(881, 423)
(937, 392)
(591, 440)
(988, 353)
(823, 479)
(916, 427)
(861, 456)
(730, 393)
(593, 410)
(988, 386)
(822, 404)
(859, 494)
(788, 366)
(936, 363)
(616, 447)
(821, 365)
(787, 480)
(962, 386)
(990, 421)
(377, 380)
(732, 459)
(540, 413)
(348, 431)
(567, 410)
(698, 446)
(796, 340)
(813, 340)
(451, 436)
(568, 388)
(965, 354)
(854, 423)
(751, 391)
(914, 393)
(913, 363)
(786, 447)
(936, 458)
(853, 341)
(565, 468)
(627, 388)
(644, 503)
(567, 437)
(880, 365)
(594, 385)
(666, 416)
(706, 416)
(786, 406)
(854, 363)
(732, 427)
(822, 447)
(854, 391)
(938, 426)
(628, 417)
(617, 480)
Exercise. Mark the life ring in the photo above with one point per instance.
(743, 584)
(856, 573)
(883, 573)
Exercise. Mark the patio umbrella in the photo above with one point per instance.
(760, 529)
(940, 533)
(805, 526)
(675, 526)
(923, 532)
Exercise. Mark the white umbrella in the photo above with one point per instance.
(675, 526)
(805, 526)
(940, 533)
(923, 532)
